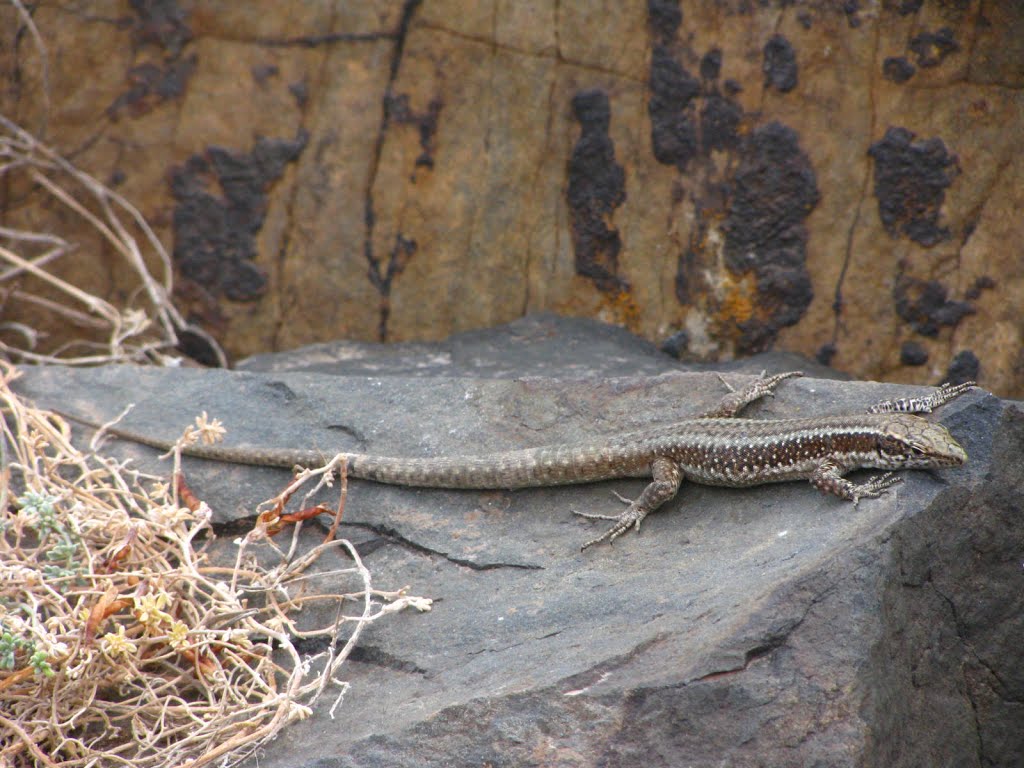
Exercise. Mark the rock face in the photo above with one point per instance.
(770, 626)
(840, 179)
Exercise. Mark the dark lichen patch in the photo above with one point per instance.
(597, 186)
(913, 353)
(720, 120)
(780, 68)
(221, 204)
(690, 117)
(150, 85)
(903, 7)
(300, 92)
(262, 73)
(931, 48)
(826, 353)
(711, 64)
(965, 366)
(399, 112)
(162, 23)
(851, 8)
(664, 18)
(670, 108)
(898, 69)
(773, 191)
(983, 283)
(926, 306)
(911, 178)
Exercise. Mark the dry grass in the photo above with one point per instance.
(121, 643)
(93, 330)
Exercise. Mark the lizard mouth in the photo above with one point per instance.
(957, 454)
(952, 454)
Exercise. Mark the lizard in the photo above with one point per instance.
(713, 448)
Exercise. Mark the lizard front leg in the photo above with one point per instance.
(667, 478)
(828, 478)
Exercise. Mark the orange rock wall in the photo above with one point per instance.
(840, 179)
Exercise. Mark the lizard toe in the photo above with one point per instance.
(594, 516)
(622, 498)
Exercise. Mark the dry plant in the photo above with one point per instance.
(105, 333)
(123, 643)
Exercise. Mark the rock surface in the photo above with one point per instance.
(840, 179)
(770, 626)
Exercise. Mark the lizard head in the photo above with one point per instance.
(910, 442)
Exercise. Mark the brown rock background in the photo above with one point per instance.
(841, 179)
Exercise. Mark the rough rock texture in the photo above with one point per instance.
(837, 178)
(763, 627)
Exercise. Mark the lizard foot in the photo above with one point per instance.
(875, 487)
(631, 518)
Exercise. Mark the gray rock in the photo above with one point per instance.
(770, 626)
(541, 344)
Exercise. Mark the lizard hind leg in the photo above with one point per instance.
(738, 399)
(667, 479)
(940, 396)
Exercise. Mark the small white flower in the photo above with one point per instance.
(114, 645)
